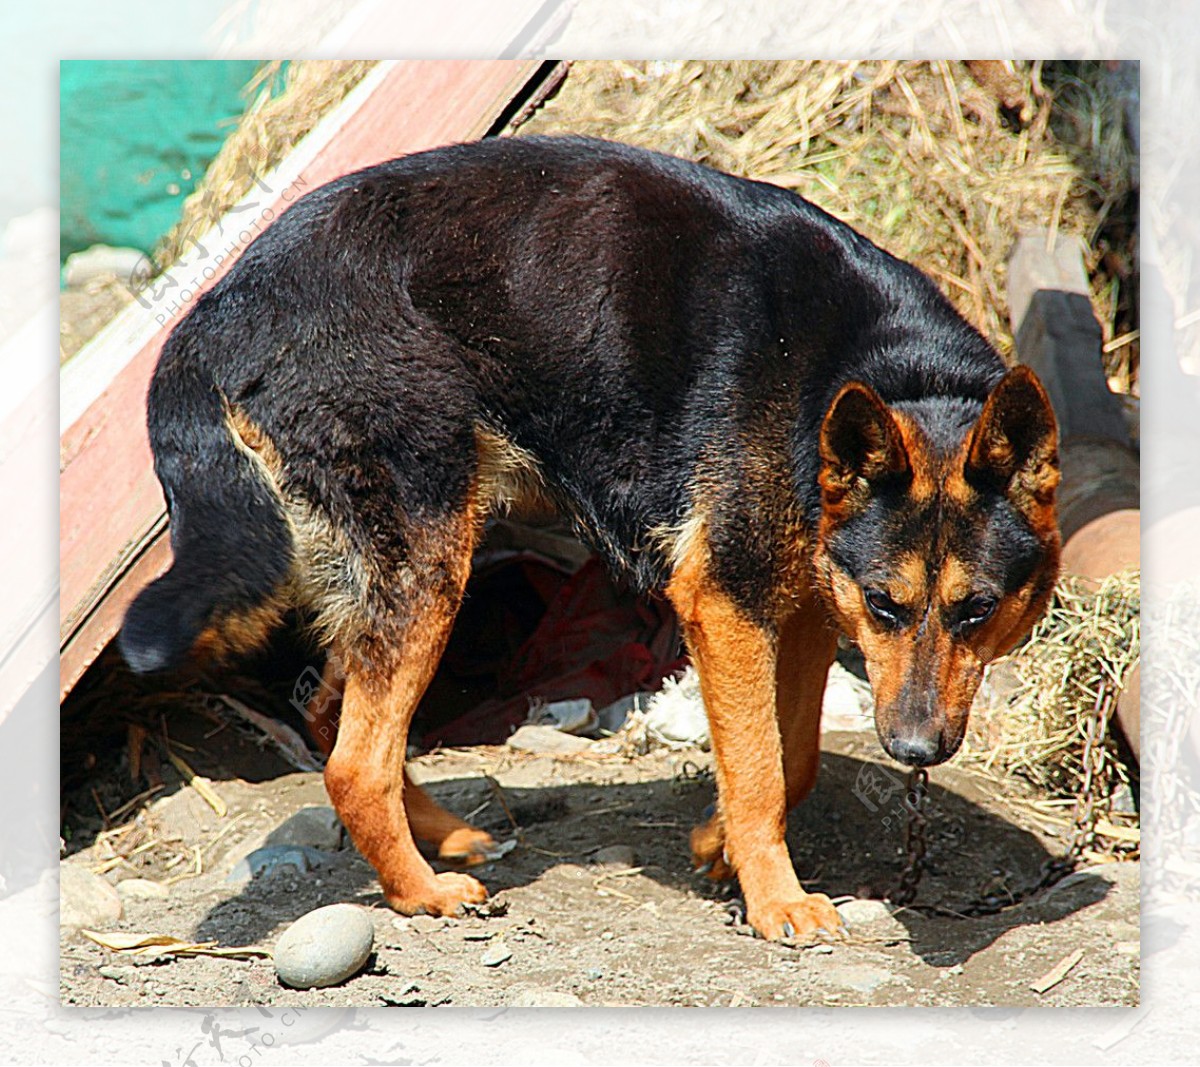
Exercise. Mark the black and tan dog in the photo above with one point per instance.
(740, 402)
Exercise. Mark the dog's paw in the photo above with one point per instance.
(467, 847)
(708, 851)
(804, 918)
(445, 894)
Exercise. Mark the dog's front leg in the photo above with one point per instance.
(735, 657)
(804, 649)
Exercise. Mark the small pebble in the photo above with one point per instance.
(130, 265)
(86, 899)
(317, 827)
(427, 924)
(120, 975)
(547, 740)
(142, 889)
(501, 849)
(496, 954)
(545, 998)
(612, 717)
(822, 950)
(324, 947)
(614, 856)
(864, 912)
(569, 716)
(276, 859)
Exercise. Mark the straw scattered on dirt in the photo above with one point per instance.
(285, 104)
(921, 157)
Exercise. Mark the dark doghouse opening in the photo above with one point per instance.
(542, 621)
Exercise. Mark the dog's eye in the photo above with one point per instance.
(882, 606)
(978, 608)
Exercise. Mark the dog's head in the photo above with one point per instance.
(938, 546)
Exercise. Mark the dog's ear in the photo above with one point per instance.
(860, 443)
(1014, 445)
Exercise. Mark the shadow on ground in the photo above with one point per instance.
(844, 841)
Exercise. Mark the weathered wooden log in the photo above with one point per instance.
(1057, 335)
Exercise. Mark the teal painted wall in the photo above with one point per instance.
(135, 138)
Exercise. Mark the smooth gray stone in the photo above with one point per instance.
(614, 856)
(865, 913)
(546, 740)
(324, 947)
(142, 889)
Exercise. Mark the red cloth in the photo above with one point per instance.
(593, 640)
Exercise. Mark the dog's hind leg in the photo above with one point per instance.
(322, 710)
(455, 840)
(806, 649)
(385, 677)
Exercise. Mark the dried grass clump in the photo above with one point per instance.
(913, 154)
(286, 105)
(1089, 639)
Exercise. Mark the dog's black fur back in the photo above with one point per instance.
(616, 314)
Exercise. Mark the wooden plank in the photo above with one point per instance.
(422, 106)
(111, 507)
(1058, 336)
(1098, 501)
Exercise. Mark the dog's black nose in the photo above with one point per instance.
(916, 750)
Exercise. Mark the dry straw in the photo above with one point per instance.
(285, 104)
(1088, 640)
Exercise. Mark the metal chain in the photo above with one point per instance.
(1083, 823)
(915, 842)
(1083, 827)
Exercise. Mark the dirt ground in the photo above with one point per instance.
(582, 933)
